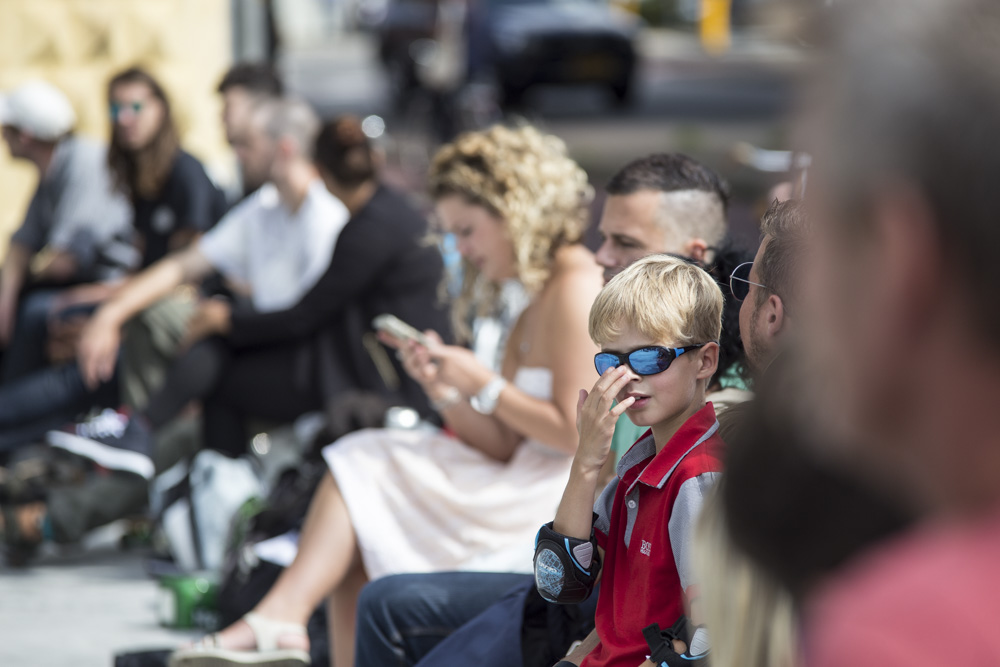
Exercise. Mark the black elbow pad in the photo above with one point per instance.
(566, 568)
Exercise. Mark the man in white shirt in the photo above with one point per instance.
(273, 246)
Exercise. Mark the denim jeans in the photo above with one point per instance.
(403, 617)
(44, 400)
(26, 352)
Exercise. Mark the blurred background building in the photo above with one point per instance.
(78, 46)
(614, 78)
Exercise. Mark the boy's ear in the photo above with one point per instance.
(709, 361)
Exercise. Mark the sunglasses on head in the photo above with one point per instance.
(739, 281)
(117, 109)
(644, 361)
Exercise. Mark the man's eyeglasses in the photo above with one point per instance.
(739, 281)
(117, 109)
(644, 361)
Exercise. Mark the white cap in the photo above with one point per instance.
(39, 109)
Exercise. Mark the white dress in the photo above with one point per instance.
(423, 501)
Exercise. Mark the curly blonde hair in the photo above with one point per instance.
(526, 178)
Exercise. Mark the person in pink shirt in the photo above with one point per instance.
(904, 301)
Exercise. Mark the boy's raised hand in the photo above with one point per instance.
(596, 416)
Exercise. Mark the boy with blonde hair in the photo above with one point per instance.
(658, 325)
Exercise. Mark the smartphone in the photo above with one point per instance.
(397, 328)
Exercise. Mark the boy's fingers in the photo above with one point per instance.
(610, 376)
(610, 392)
(619, 384)
(619, 409)
(581, 399)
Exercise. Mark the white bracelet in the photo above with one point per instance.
(485, 402)
(451, 398)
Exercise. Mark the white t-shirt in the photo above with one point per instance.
(278, 255)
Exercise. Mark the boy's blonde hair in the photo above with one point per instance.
(663, 298)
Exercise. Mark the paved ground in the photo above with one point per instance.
(77, 608)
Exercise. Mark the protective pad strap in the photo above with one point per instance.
(565, 567)
(661, 645)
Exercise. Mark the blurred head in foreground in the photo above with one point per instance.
(904, 120)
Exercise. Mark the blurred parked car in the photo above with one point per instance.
(519, 43)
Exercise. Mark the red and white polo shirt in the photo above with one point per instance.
(645, 522)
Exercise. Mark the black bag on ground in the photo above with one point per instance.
(156, 658)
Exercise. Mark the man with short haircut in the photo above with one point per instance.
(905, 303)
(75, 213)
(662, 203)
(242, 87)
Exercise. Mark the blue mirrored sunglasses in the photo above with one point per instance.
(644, 361)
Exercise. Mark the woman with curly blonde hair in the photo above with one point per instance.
(471, 496)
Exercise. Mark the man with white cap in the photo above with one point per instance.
(74, 213)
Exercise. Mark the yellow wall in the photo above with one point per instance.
(79, 44)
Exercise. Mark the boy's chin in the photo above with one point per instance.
(642, 417)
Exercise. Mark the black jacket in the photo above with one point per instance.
(381, 264)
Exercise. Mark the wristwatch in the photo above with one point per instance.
(485, 402)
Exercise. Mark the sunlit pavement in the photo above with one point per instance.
(80, 606)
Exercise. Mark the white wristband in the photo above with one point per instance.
(485, 402)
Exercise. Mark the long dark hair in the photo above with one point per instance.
(143, 172)
(343, 150)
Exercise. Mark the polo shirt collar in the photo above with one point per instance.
(701, 426)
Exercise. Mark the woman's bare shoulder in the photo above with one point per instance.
(572, 288)
(575, 266)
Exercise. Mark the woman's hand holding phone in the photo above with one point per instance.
(414, 356)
